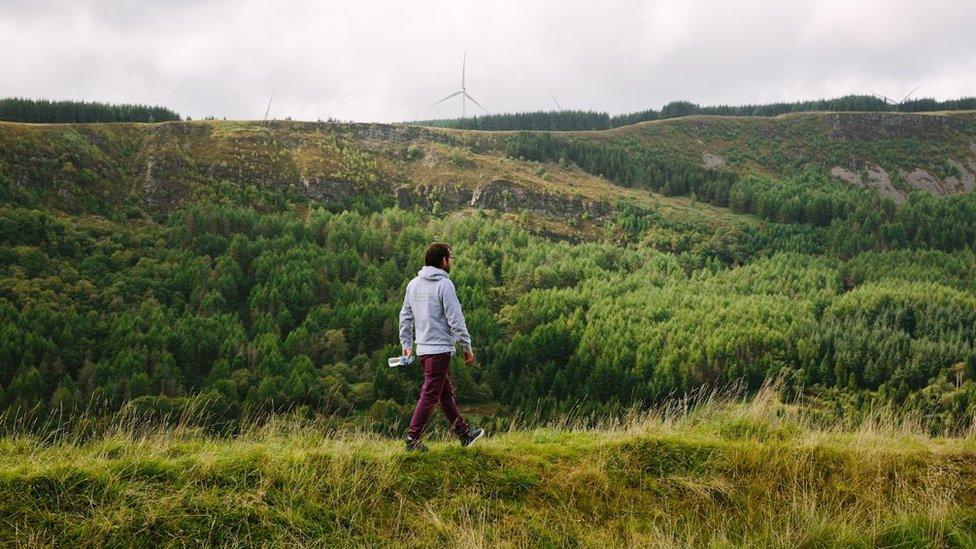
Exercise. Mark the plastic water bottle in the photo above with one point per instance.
(402, 360)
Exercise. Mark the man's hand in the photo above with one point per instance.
(469, 357)
(407, 352)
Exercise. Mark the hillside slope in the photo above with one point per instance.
(158, 167)
(748, 474)
(893, 153)
(263, 265)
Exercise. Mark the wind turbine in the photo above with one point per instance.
(463, 92)
(554, 100)
(891, 101)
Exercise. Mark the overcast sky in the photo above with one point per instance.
(387, 61)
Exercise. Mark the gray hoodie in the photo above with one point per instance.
(432, 305)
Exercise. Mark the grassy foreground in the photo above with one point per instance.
(725, 473)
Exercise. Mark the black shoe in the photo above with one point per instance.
(467, 439)
(415, 445)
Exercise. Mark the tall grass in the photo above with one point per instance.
(715, 467)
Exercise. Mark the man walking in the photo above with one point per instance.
(431, 305)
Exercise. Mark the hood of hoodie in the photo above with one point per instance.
(432, 273)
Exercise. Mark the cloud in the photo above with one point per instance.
(388, 61)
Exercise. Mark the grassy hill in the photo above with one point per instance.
(933, 152)
(157, 168)
(152, 169)
(700, 471)
(159, 164)
(168, 291)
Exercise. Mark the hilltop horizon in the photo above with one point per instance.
(22, 109)
(387, 61)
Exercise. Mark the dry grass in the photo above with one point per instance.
(712, 468)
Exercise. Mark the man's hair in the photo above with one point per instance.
(435, 254)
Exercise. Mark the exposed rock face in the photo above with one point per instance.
(924, 181)
(163, 177)
(387, 132)
(966, 181)
(846, 175)
(712, 161)
(877, 178)
(505, 195)
(868, 126)
(446, 197)
(499, 195)
(329, 191)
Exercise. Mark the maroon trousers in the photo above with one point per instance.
(437, 388)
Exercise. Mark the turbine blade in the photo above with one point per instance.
(268, 110)
(446, 98)
(554, 100)
(473, 101)
(903, 99)
(464, 62)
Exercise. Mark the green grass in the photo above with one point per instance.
(738, 473)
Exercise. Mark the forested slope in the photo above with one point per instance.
(262, 265)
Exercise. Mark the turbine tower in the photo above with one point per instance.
(268, 110)
(463, 92)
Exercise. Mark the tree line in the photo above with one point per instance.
(567, 120)
(15, 109)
